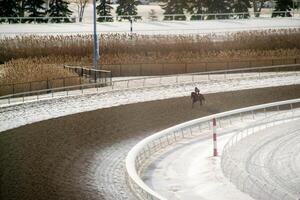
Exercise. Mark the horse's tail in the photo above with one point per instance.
(202, 97)
(192, 95)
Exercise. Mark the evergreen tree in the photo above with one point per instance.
(219, 6)
(104, 9)
(21, 7)
(35, 8)
(8, 8)
(175, 7)
(59, 8)
(283, 6)
(128, 7)
(241, 6)
(197, 7)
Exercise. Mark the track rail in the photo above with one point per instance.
(153, 81)
(140, 153)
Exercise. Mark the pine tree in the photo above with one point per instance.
(283, 6)
(8, 8)
(21, 7)
(197, 7)
(219, 6)
(241, 6)
(35, 8)
(59, 8)
(175, 7)
(128, 7)
(104, 9)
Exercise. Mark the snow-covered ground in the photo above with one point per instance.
(18, 115)
(144, 10)
(271, 156)
(204, 177)
(120, 83)
(188, 170)
(179, 27)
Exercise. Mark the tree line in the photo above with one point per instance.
(196, 8)
(60, 9)
(35, 9)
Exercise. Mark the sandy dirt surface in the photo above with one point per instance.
(82, 156)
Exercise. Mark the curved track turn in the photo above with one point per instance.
(81, 156)
(273, 156)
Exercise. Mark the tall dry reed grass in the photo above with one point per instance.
(124, 48)
(31, 58)
(33, 69)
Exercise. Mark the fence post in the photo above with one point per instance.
(215, 137)
(47, 85)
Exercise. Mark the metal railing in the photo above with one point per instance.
(85, 75)
(17, 88)
(233, 169)
(156, 81)
(143, 151)
(166, 17)
(37, 20)
(93, 75)
(152, 69)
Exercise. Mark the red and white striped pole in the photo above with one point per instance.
(215, 136)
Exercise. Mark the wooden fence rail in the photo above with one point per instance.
(151, 69)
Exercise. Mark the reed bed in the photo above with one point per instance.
(33, 58)
(125, 48)
(33, 69)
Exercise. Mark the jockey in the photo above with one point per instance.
(197, 91)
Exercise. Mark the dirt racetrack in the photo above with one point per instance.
(81, 156)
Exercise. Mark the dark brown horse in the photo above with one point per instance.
(197, 97)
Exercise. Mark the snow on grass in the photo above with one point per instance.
(18, 115)
(163, 27)
(187, 170)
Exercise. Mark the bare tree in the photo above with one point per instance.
(257, 6)
(81, 4)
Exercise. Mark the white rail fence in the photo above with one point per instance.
(155, 81)
(142, 152)
(155, 17)
(236, 172)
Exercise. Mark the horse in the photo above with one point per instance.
(197, 97)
